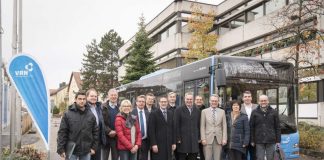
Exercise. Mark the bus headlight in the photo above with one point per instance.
(296, 145)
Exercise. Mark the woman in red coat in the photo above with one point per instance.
(129, 137)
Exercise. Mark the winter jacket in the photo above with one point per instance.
(80, 127)
(124, 134)
(238, 133)
(265, 127)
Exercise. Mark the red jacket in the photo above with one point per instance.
(124, 134)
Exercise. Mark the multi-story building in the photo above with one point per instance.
(245, 28)
(169, 31)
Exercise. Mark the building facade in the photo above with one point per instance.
(59, 97)
(75, 84)
(244, 28)
(169, 32)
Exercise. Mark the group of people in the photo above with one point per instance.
(168, 132)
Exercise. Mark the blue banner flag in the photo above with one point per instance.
(28, 78)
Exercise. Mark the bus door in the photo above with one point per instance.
(198, 87)
(227, 94)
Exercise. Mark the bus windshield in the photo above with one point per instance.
(272, 79)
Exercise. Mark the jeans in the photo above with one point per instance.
(84, 157)
(127, 155)
(263, 150)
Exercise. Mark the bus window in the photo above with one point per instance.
(283, 94)
(272, 96)
(203, 90)
(221, 95)
(283, 99)
(189, 86)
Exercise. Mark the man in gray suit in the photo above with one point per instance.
(213, 129)
(247, 107)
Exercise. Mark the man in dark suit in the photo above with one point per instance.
(199, 103)
(149, 103)
(187, 129)
(172, 97)
(109, 111)
(247, 107)
(143, 116)
(161, 132)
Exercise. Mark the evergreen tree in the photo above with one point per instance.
(90, 66)
(109, 45)
(100, 63)
(139, 62)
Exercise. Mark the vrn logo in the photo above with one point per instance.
(24, 73)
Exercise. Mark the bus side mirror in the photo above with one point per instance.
(220, 77)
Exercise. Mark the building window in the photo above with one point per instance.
(185, 15)
(255, 13)
(169, 32)
(165, 35)
(184, 27)
(173, 30)
(237, 22)
(156, 38)
(308, 92)
(274, 5)
(223, 28)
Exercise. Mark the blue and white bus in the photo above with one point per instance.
(229, 77)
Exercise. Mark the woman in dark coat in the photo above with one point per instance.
(238, 131)
(161, 132)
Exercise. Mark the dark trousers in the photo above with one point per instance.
(250, 153)
(142, 153)
(201, 152)
(265, 149)
(187, 156)
(111, 145)
(234, 154)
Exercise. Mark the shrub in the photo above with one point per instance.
(27, 153)
(56, 110)
(311, 137)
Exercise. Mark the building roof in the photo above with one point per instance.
(52, 91)
(55, 91)
(77, 77)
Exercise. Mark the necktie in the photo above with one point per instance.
(142, 124)
(165, 115)
(190, 110)
(214, 116)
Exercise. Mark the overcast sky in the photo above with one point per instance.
(55, 32)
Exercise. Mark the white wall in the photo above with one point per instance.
(308, 110)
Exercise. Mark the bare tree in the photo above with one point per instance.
(297, 22)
